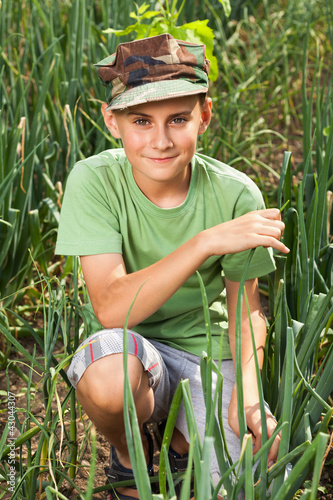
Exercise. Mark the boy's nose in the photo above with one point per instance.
(161, 139)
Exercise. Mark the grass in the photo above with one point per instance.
(273, 93)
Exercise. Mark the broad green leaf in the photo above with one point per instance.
(142, 9)
(124, 32)
(150, 14)
(199, 32)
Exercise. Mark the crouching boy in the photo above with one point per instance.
(152, 214)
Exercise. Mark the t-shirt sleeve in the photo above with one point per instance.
(88, 225)
(262, 261)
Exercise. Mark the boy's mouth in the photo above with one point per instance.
(162, 160)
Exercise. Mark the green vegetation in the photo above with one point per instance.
(273, 93)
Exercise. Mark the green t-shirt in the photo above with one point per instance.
(104, 211)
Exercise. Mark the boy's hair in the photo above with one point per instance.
(153, 69)
(202, 99)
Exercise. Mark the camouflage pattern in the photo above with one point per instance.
(154, 68)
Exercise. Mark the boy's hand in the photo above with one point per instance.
(254, 229)
(253, 421)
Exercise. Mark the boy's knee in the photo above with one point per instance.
(102, 384)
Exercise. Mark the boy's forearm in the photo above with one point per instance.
(157, 283)
(259, 329)
(248, 361)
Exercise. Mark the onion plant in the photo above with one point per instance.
(56, 456)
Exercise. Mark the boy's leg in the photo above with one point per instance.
(97, 373)
(101, 396)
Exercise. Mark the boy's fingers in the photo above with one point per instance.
(257, 444)
(275, 243)
(274, 450)
(269, 220)
(270, 213)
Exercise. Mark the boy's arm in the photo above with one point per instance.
(251, 396)
(112, 290)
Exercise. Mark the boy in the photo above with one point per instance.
(152, 214)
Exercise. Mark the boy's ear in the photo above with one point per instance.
(110, 121)
(206, 115)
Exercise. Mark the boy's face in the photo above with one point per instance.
(159, 138)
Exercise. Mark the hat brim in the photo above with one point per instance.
(156, 91)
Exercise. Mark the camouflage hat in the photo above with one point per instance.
(153, 69)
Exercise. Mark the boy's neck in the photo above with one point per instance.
(169, 194)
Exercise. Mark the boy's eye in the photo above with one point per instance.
(178, 120)
(141, 121)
